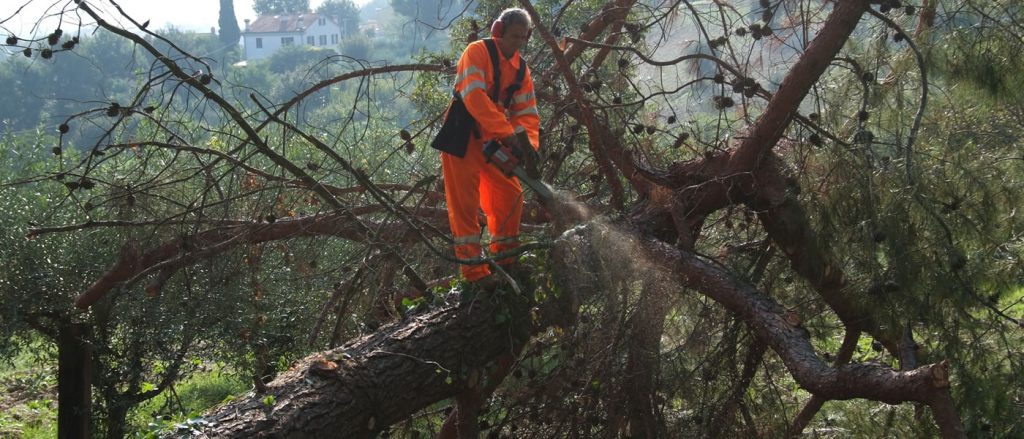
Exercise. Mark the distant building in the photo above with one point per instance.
(270, 32)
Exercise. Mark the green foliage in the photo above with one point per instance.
(269, 400)
(33, 420)
(358, 47)
(40, 272)
(102, 68)
(271, 7)
(973, 50)
(293, 58)
(930, 235)
(199, 44)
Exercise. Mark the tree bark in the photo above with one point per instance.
(117, 414)
(768, 129)
(643, 357)
(361, 388)
(815, 403)
(74, 382)
(750, 172)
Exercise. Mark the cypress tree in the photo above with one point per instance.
(229, 31)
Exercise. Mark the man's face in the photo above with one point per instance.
(512, 39)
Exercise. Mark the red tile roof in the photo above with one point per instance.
(284, 23)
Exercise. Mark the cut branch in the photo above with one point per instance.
(815, 403)
(188, 249)
(768, 129)
(928, 384)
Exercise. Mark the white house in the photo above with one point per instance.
(270, 32)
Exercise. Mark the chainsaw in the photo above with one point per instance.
(511, 163)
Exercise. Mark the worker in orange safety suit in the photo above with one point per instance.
(470, 182)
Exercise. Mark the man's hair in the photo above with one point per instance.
(515, 16)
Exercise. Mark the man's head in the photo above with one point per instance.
(511, 30)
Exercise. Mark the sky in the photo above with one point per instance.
(195, 15)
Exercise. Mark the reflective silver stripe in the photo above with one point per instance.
(472, 239)
(523, 98)
(528, 110)
(473, 86)
(471, 70)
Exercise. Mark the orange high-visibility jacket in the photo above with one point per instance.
(473, 81)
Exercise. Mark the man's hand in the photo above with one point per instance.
(512, 142)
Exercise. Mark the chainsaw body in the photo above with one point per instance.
(509, 162)
(501, 156)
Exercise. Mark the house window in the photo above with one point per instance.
(334, 38)
(323, 40)
(322, 21)
(259, 43)
(310, 40)
(287, 41)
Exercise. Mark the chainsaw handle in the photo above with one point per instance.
(510, 141)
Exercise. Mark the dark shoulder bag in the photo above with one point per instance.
(453, 138)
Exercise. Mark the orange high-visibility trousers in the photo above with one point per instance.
(470, 183)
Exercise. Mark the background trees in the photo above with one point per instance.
(759, 216)
(271, 7)
(345, 11)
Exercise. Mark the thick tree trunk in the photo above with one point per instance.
(363, 387)
(117, 414)
(74, 383)
(643, 362)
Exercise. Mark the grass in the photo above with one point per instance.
(28, 397)
(189, 399)
(28, 394)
